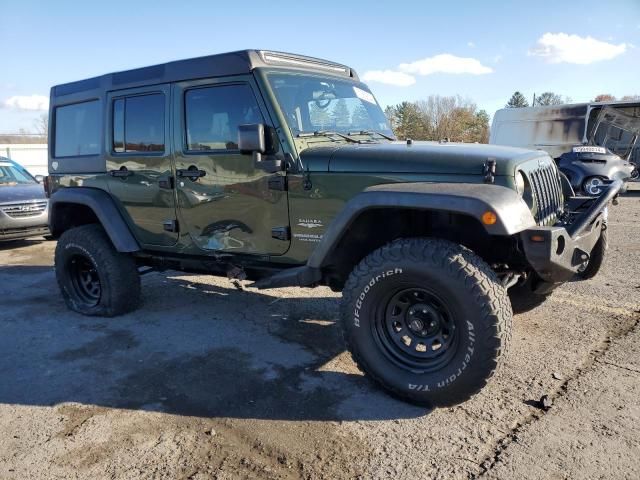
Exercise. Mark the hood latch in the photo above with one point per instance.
(490, 170)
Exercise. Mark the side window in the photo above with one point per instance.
(77, 129)
(213, 114)
(138, 124)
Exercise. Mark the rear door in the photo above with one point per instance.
(229, 204)
(139, 162)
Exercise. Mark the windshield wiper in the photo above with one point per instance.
(326, 133)
(371, 132)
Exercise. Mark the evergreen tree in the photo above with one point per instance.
(340, 114)
(408, 121)
(320, 118)
(360, 119)
(517, 100)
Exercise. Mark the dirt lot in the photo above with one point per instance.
(207, 381)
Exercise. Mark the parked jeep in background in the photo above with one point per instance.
(591, 142)
(282, 169)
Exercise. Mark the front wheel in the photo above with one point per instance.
(427, 319)
(591, 268)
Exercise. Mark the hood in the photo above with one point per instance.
(21, 193)
(418, 157)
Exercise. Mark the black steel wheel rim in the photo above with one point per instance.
(85, 280)
(416, 329)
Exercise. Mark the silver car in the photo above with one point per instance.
(24, 208)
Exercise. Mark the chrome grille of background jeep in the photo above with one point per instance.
(23, 210)
(547, 194)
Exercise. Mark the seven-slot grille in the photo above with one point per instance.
(25, 209)
(547, 194)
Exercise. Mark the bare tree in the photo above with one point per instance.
(41, 125)
(548, 98)
(604, 97)
(630, 98)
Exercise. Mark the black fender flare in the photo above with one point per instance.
(103, 206)
(512, 213)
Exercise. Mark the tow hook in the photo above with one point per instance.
(510, 279)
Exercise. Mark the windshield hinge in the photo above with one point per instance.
(281, 233)
(277, 182)
(171, 226)
(166, 182)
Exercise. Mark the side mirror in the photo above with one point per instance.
(39, 178)
(252, 140)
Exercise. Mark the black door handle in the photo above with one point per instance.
(122, 173)
(192, 172)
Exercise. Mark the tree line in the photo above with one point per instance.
(518, 100)
(440, 117)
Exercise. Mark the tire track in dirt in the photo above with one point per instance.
(594, 357)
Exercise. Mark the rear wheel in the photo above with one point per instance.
(93, 277)
(427, 319)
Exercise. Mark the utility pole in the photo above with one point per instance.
(534, 100)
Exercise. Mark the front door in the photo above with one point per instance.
(139, 162)
(226, 202)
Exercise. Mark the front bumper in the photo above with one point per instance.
(556, 252)
(19, 233)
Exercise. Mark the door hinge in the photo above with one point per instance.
(281, 233)
(278, 182)
(171, 226)
(166, 182)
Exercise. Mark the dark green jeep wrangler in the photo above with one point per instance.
(282, 169)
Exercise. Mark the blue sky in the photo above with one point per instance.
(484, 50)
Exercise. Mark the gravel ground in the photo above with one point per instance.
(208, 381)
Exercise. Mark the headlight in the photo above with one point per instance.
(593, 186)
(520, 183)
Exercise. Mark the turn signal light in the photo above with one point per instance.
(489, 218)
(537, 238)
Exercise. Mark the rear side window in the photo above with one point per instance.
(213, 115)
(77, 129)
(138, 124)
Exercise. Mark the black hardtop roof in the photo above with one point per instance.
(223, 64)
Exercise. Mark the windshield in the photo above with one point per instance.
(10, 174)
(617, 129)
(313, 104)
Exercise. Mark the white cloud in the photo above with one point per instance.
(27, 102)
(565, 48)
(389, 77)
(445, 63)
(471, 45)
(497, 58)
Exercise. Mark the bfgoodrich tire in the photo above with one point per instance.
(93, 277)
(427, 319)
